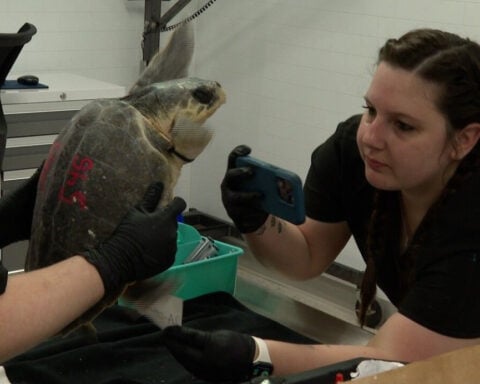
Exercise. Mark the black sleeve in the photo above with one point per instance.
(444, 297)
(329, 171)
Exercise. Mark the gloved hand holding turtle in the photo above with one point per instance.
(244, 208)
(143, 245)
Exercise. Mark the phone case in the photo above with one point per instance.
(282, 189)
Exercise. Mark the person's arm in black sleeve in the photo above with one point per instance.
(16, 211)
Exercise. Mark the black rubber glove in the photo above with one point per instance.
(244, 208)
(220, 356)
(143, 245)
(16, 211)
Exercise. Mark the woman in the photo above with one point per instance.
(404, 180)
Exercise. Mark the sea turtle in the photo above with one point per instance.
(102, 162)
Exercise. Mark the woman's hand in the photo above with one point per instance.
(242, 207)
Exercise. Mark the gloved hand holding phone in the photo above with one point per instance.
(244, 208)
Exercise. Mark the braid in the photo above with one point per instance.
(368, 288)
(383, 238)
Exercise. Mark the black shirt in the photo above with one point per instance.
(445, 293)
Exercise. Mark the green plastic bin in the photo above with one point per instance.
(217, 273)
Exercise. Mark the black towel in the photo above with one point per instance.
(130, 349)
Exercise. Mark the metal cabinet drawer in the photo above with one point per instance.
(13, 256)
(29, 138)
(35, 124)
(26, 152)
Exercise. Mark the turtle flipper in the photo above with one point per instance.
(172, 62)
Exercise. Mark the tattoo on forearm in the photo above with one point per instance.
(275, 222)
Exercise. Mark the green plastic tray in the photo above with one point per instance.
(217, 273)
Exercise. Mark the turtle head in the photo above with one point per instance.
(178, 109)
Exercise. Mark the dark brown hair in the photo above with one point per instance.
(453, 64)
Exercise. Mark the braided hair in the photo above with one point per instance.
(453, 64)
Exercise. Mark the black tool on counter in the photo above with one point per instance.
(28, 80)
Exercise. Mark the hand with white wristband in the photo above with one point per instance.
(218, 356)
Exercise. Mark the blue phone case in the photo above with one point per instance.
(282, 190)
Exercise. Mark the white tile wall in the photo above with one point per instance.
(98, 39)
(292, 69)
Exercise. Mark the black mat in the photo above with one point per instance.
(130, 351)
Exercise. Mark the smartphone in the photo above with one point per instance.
(282, 189)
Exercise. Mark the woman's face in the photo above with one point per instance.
(402, 137)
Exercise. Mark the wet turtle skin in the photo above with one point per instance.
(103, 161)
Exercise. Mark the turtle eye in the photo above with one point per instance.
(203, 95)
